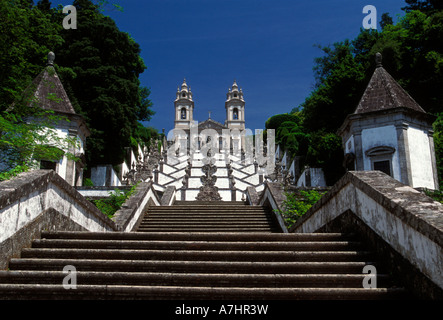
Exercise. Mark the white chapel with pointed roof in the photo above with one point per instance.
(389, 131)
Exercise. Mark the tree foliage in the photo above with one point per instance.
(297, 203)
(110, 205)
(107, 65)
(24, 140)
(27, 34)
(412, 52)
(99, 66)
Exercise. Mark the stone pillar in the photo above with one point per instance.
(403, 153)
(156, 175)
(70, 164)
(434, 161)
(358, 147)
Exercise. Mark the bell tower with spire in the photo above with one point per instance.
(184, 107)
(235, 108)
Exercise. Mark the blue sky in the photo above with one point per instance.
(266, 45)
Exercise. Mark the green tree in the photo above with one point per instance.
(297, 203)
(386, 20)
(423, 5)
(27, 34)
(325, 151)
(339, 85)
(274, 122)
(106, 63)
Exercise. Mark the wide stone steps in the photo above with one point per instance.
(108, 292)
(208, 217)
(186, 265)
(197, 245)
(179, 266)
(211, 255)
(194, 279)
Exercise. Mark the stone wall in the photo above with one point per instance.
(133, 210)
(405, 223)
(272, 197)
(104, 176)
(41, 200)
(95, 193)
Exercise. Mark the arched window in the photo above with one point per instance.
(183, 114)
(235, 114)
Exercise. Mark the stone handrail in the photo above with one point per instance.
(273, 197)
(252, 196)
(406, 220)
(134, 208)
(168, 197)
(41, 200)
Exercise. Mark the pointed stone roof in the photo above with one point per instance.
(48, 90)
(383, 93)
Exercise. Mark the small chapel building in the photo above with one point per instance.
(389, 131)
(49, 94)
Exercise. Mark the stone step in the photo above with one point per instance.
(212, 211)
(204, 224)
(54, 292)
(211, 255)
(207, 229)
(186, 266)
(198, 245)
(186, 226)
(203, 265)
(205, 218)
(178, 203)
(186, 236)
(218, 206)
(194, 279)
(208, 213)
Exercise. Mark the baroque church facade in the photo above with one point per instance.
(185, 122)
(209, 157)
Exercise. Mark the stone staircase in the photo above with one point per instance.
(196, 258)
(193, 216)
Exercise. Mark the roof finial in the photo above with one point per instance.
(378, 60)
(51, 58)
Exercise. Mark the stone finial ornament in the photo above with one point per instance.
(51, 58)
(378, 60)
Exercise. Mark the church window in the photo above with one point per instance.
(235, 95)
(183, 113)
(183, 94)
(235, 114)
